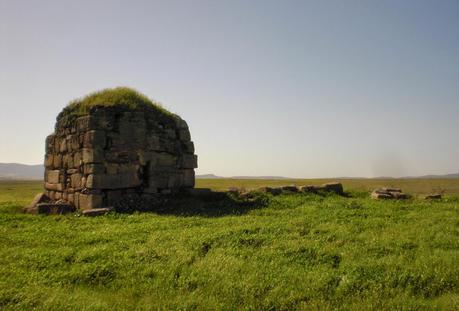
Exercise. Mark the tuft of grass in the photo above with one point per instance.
(122, 97)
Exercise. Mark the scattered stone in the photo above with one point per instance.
(39, 198)
(388, 193)
(436, 196)
(51, 209)
(308, 188)
(233, 190)
(335, 187)
(271, 190)
(377, 196)
(96, 211)
(291, 188)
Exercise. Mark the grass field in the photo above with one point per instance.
(293, 251)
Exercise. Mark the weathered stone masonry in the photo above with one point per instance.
(91, 161)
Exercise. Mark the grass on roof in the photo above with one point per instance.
(124, 97)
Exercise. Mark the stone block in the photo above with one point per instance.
(57, 160)
(95, 155)
(49, 159)
(71, 171)
(166, 160)
(73, 143)
(113, 197)
(86, 123)
(170, 133)
(118, 181)
(95, 138)
(272, 190)
(76, 197)
(175, 180)
(49, 144)
(335, 187)
(189, 161)
(291, 188)
(54, 187)
(181, 124)
(93, 168)
(189, 147)
(63, 145)
(76, 181)
(71, 198)
(188, 178)
(55, 208)
(96, 211)
(77, 160)
(148, 158)
(114, 156)
(111, 169)
(436, 196)
(57, 195)
(158, 179)
(184, 135)
(39, 198)
(153, 143)
(89, 201)
(52, 176)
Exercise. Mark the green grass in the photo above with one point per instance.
(296, 251)
(123, 97)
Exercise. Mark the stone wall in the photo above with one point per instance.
(91, 161)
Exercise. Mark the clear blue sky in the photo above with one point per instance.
(292, 88)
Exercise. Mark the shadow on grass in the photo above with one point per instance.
(217, 204)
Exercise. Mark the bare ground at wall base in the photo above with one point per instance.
(294, 251)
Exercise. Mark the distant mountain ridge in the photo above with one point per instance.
(445, 176)
(35, 172)
(21, 171)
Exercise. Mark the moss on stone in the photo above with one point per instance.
(120, 97)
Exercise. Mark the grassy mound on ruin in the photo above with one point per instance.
(120, 97)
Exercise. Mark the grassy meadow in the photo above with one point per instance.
(293, 251)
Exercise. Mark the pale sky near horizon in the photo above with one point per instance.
(291, 88)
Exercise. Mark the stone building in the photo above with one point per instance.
(117, 142)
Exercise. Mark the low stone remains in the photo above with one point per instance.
(388, 193)
(436, 196)
(96, 211)
(113, 143)
(334, 187)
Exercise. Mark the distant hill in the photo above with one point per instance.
(447, 176)
(208, 176)
(21, 171)
(212, 176)
(24, 171)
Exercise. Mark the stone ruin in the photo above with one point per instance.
(388, 193)
(100, 152)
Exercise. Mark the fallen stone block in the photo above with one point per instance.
(335, 187)
(271, 190)
(54, 208)
(96, 211)
(377, 196)
(433, 197)
(291, 188)
(39, 198)
(389, 193)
